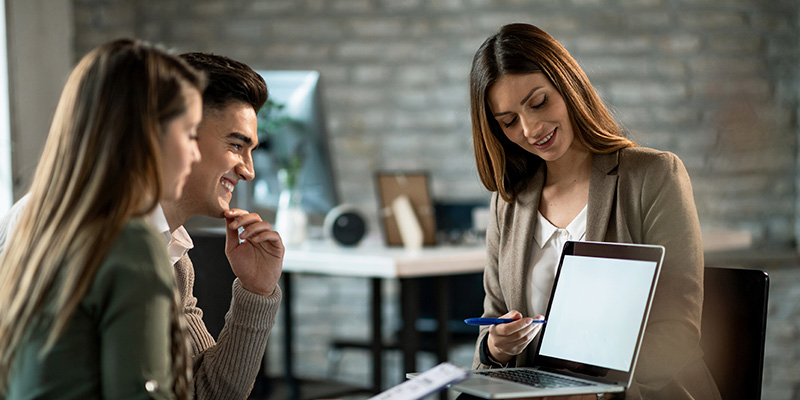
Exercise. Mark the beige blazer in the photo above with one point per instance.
(636, 195)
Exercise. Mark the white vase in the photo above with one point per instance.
(291, 221)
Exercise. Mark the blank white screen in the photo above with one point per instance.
(597, 309)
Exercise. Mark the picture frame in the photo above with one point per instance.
(414, 185)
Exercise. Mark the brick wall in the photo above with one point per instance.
(781, 358)
(716, 82)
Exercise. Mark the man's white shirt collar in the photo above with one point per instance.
(178, 243)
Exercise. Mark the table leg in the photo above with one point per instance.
(376, 344)
(293, 390)
(443, 319)
(409, 304)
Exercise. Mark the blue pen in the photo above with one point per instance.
(495, 321)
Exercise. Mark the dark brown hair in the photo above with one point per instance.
(228, 80)
(523, 49)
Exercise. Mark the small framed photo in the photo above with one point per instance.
(415, 186)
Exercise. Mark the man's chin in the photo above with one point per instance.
(217, 210)
(220, 214)
(220, 211)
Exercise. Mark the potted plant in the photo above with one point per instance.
(281, 143)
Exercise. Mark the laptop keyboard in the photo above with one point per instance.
(535, 378)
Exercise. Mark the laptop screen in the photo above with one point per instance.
(598, 307)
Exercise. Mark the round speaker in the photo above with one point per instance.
(345, 225)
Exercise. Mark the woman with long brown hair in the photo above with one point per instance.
(86, 290)
(562, 169)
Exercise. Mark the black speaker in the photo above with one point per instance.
(345, 224)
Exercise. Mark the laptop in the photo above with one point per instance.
(596, 319)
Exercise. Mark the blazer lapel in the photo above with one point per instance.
(602, 189)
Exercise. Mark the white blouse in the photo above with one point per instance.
(550, 241)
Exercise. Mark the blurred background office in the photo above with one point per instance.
(716, 82)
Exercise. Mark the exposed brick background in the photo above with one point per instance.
(714, 81)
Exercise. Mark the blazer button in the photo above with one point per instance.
(151, 386)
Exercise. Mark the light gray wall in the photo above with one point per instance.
(40, 56)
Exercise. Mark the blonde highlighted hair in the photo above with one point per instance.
(523, 49)
(100, 167)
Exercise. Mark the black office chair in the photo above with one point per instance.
(734, 328)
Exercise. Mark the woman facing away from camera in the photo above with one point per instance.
(86, 289)
(561, 169)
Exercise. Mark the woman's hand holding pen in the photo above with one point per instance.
(507, 340)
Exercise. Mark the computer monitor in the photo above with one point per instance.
(296, 102)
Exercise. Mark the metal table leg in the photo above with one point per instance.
(376, 343)
(443, 319)
(409, 304)
(293, 389)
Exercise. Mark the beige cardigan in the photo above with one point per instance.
(636, 195)
(226, 369)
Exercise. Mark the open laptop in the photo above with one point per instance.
(595, 322)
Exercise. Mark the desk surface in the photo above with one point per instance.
(373, 259)
(378, 261)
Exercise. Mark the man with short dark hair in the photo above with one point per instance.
(226, 368)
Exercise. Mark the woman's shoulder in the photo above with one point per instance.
(645, 158)
(135, 270)
(646, 153)
(138, 248)
(137, 228)
(136, 235)
(651, 170)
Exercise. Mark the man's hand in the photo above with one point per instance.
(257, 261)
(507, 340)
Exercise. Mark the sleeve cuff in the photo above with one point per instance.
(252, 309)
(486, 356)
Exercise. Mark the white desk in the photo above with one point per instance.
(377, 262)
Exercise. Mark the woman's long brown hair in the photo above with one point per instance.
(100, 167)
(523, 49)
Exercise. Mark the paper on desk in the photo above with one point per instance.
(428, 382)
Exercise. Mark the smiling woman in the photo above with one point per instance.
(539, 121)
(562, 169)
(500, 166)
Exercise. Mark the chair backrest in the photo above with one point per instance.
(734, 328)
